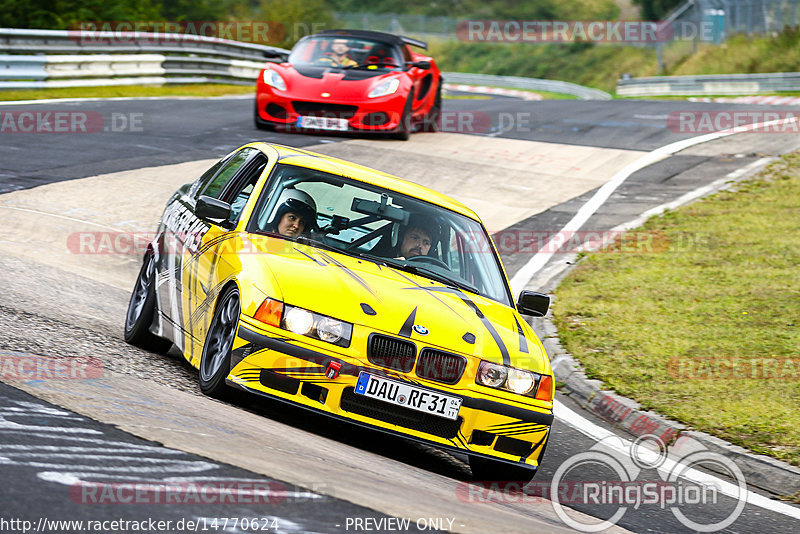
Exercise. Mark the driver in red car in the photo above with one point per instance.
(338, 56)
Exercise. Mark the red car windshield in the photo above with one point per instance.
(345, 52)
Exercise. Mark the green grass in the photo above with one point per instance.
(721, 284)
(466, 97)
(546, 95)
(128, 91)
(684, 97)
(601, 66)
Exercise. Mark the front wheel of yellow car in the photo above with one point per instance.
(215, 363)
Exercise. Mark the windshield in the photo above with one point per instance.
(363, 220)
(345, 52)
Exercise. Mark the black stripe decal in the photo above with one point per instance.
(489, 326)
(405, 331)
(536, 446)
(527, 431)
(486, 322)
(309, 257)
(431, 291)
(353, 275)
(513, 424)
(523, 342)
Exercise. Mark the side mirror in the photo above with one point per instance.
(275, 54)
(424, 65)
(533, 303)
(211, 208)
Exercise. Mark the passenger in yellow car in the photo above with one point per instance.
(338, 54)
(296, 213)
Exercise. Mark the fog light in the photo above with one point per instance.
(299, 320)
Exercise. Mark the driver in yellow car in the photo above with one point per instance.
(418, 238)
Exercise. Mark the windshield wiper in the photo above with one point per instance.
(430, 273)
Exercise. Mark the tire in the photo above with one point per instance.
(260, 123)
(215, 363)
(141, 308)
(490, 470)
(431, 123)
(404, 128)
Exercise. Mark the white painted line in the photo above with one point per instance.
(692, 195)
(73, 219)
(623, 447)
(540, 259)
(554, 269)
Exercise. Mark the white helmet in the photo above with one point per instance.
(299, 202)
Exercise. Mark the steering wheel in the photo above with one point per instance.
(429, 259)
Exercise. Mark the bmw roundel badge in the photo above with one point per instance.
(419, 329)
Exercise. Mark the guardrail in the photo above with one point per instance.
(710, 84)
(531, 84)
(58, 58)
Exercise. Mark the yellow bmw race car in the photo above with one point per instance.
(353, 293)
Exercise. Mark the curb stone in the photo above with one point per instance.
(761, 471)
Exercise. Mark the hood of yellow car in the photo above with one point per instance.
(402, 304)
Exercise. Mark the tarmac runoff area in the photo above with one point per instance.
(49, 221)
(480, 173)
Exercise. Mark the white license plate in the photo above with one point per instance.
(322, 123)
(402, 394)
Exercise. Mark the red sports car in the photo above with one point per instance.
(351, 81)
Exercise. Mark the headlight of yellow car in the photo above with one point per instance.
(517, 381)
(305, 322)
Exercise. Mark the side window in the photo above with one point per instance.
(216, 186)
(201, 182)
(406, 54)
(240, 191)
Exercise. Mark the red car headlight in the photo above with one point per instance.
(273, 79)
(385, 88)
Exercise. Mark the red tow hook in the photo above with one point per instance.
(333, 370)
